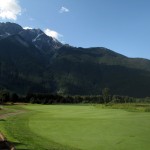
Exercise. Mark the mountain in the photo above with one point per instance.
(7, 29)
(33, 36)
(88, 71)
(31, 61)
(40, 40)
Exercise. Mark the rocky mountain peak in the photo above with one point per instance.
(10, 28)
(35, 37)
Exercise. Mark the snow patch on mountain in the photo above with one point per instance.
(37, 37)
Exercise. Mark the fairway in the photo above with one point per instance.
(80, 127)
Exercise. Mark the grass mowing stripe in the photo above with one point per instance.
(87, 127)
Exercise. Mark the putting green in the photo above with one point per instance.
(90, 128)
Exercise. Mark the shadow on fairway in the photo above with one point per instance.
(2, 120)
(19, 144)
(22, 149)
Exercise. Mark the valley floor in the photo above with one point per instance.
(73, 127)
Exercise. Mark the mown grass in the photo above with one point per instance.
(17, 130)
(46, 127)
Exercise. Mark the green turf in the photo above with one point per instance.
(68, 127)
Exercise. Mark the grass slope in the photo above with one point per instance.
(47, 127)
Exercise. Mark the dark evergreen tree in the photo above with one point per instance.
(106, 95)
(14, 97)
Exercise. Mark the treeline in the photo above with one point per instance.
(46, 98)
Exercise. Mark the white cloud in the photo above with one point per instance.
(9, 9)
(53, 34)
(64, 10)
(26, 28)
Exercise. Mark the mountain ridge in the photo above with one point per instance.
(30, 61)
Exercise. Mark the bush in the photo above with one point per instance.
(147, 109)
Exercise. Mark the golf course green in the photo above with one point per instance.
(72, 127)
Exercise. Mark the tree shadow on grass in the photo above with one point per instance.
(2, 120)
(23, 149)
(3, 145)
(18, 144)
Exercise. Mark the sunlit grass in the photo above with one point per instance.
(46, 127)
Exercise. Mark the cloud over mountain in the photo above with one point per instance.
(26, 28)
(53, 34)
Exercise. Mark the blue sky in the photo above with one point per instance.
(120, 25)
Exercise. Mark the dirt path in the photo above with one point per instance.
(6, 115)
(4, 144)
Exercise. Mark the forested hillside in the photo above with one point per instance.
(30, 61)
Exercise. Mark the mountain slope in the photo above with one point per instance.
(88, 71)
(30, 61)
(22, 66)
(39, 39)
(8, 28)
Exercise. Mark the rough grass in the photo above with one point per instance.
(137, 107)
(67, 127)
